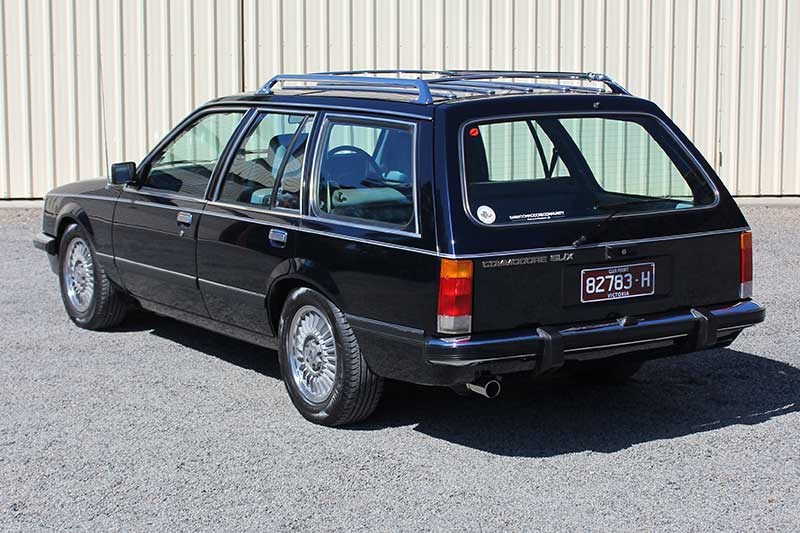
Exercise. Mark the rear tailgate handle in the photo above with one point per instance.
(184, 218)
(278, 237)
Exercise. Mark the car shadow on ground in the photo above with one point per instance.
(668, 398)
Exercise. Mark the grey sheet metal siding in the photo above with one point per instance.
(725, 70)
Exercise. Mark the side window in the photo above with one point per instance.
(366, 173)
(269, 148)
(186, 164)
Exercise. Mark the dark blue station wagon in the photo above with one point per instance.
(443, 228)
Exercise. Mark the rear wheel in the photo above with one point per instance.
(324, 372)
(606, 371)
(91, 300)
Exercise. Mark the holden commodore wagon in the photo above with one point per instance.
(442, 228)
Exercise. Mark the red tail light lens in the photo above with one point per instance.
(455, 297)
(746, 264)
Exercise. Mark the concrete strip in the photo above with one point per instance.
(773, 201)
(21, 204)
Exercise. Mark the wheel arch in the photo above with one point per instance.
(72, 213)
(280, 289)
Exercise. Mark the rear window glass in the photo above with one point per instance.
(545, 168)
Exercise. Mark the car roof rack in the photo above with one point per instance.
(444, 84)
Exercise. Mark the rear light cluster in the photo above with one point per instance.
(746, 264)
(455, 297)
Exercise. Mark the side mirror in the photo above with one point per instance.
(122, 173)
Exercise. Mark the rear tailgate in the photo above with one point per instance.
(646, 277)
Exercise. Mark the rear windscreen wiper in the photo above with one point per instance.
(617, 208)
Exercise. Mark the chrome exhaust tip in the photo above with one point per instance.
(489, 388)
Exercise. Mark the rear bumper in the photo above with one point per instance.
(700, 328)
(446, 361)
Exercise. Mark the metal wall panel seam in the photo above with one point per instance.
(50, 141)
(781, 117)
(5, 164)
(72, 82)
(143, 76)
(119, 97)
(277, 43)
(761, 94)
(98, 131)
(213, 63)
(737, 115)
(166, 73)
(189, 39)
(25, 80)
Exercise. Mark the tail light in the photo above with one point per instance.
(455, 297)
(746, 264)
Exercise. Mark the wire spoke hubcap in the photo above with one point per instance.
(79, 274)
(312, 354)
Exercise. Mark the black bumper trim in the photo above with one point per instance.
(46, 243)
(551, 346)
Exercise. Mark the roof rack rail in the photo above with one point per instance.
(339, 81)
(540, 75)
(443, 83)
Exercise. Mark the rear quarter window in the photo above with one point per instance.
(366, 173)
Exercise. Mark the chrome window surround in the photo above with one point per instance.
(686, 152)
(356, 119)
(178, 130)
(330, 106)
(237, 142)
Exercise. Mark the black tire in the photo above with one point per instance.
(356, 390)
(604, 372)
(108, 305)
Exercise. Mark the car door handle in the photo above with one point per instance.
(278, 237)
(184, 218)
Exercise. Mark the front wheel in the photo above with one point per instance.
(91, 300)
(323, 369)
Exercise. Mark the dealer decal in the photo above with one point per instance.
(544, 215)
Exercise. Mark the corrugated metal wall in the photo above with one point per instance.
(725, 70)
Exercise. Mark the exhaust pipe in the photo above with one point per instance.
(488, 388)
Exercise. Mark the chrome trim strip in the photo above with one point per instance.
(232, 288)
(629, 343)
(326, 106)
(79, 195)
(473, 362)
(597, 245)
(266, 211)
(313, 201)
(742, 326)
(157, 269)
(685, 149)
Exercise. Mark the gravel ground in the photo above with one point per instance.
(160, 425)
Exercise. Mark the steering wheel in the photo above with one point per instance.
(363, 154)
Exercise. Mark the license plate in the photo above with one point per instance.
(617, 282)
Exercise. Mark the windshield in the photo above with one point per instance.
(546, 168)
